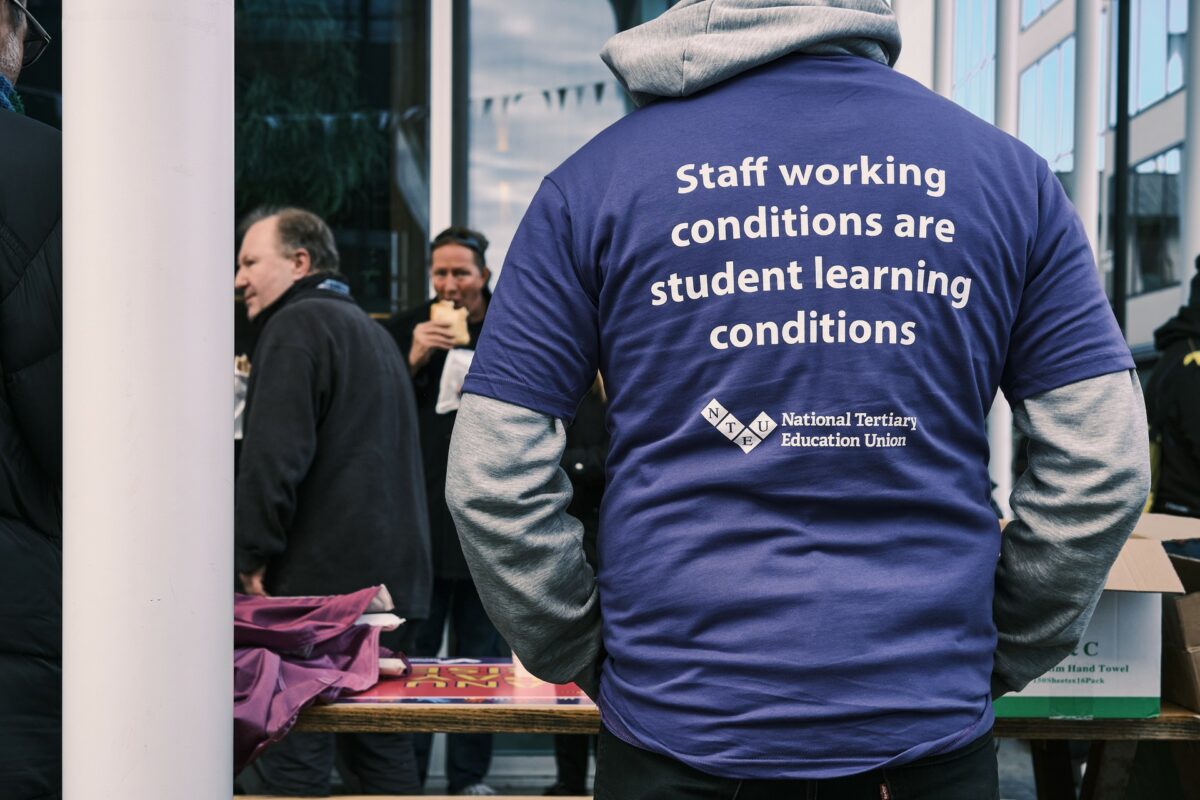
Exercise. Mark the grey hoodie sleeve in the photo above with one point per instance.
(1074, 506)
(508, 497)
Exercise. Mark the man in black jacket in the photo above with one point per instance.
(30, 436)
(1173, 408)
(329, 496)
(459, 274)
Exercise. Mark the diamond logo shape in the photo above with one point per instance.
(713, 413)
(762, 426)
(730, 427)
(748, 440)
(747, 437)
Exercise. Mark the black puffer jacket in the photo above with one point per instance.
(30, 458)
(1173, 409)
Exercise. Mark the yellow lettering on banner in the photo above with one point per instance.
(473, 676)
(430, 678)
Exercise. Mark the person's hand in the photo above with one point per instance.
(428, 337)
(252, 582)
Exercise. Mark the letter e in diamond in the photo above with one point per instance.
(747, 440)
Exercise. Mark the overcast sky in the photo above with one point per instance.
(527, 46)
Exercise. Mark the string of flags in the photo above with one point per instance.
(382, 119)
(501, 103)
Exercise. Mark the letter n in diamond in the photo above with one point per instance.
(713, 413)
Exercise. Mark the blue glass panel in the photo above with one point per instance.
(1151, 55)
(988, 111)
(1028, 105)
(989, 26)
(1030, 9)
(1177, 16)
(964, 42)
(1048, 105)
(1066, 104)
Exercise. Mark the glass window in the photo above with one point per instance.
(1032, 9)
(1177, 26)
(1158, 45)
(1046, 110)
(975, 57)
(539, 91)
(1154, 224)
(331, 114)
(1150, 34)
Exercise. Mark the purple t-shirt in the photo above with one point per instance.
(803, 288)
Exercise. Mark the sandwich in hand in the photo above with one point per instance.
(444, 312)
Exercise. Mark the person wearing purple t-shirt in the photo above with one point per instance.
(804, 278)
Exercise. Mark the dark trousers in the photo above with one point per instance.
(300, 765)
(571, 761)
(472, 635)
(625, 772)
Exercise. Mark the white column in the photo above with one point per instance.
(147, 401)
(1087, 108)
(943, 44)
(1008, 27)
(915, 20)
(1191, 153)
(441, 114)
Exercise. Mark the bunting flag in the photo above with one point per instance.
(328, 121)
(488, 104)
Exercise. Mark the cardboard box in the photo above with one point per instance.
(1116, 671)
(1181, 676)
(1181, 615)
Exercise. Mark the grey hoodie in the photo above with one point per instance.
(699, 43)
(1074, 506)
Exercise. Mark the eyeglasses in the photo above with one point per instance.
(36, 38)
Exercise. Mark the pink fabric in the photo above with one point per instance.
(290, 652)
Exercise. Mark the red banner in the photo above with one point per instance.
(470, 681)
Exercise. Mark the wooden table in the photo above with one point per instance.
(1110, 757)
(1174, 723)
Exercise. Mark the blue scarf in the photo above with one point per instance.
(9, 99)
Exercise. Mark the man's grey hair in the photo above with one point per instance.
(298, 230)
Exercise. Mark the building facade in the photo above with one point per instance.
(1055, 98)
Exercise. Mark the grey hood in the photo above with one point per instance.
(698, 43)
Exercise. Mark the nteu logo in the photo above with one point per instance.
(746, 437)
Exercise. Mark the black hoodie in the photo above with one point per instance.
(1173, 409)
